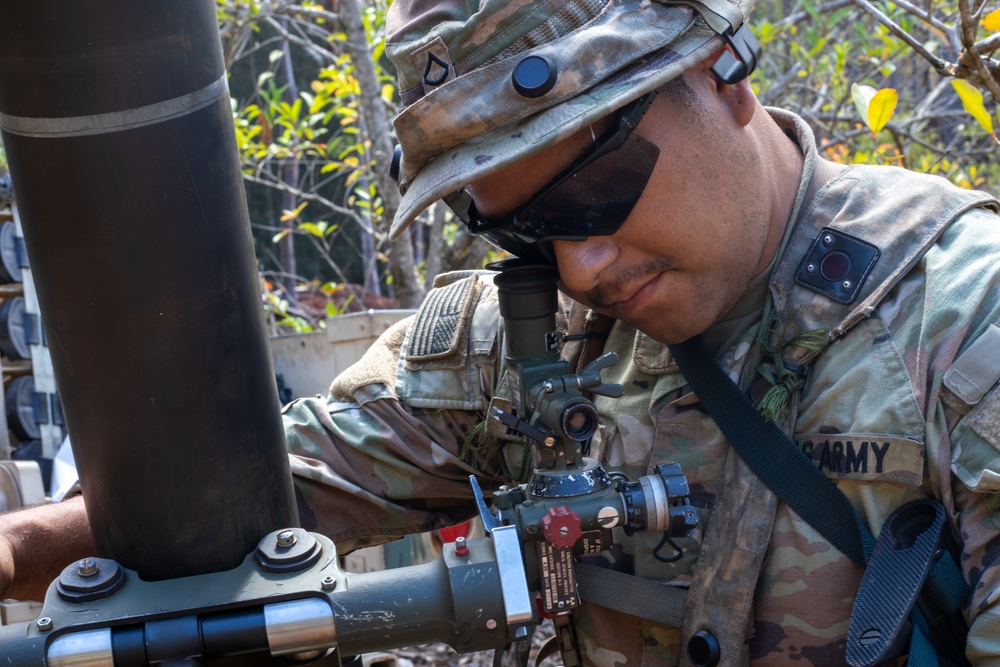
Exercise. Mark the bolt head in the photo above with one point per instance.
(87, 567)
(810, 269)
(461, 548)
(44, 623)
(491, 624)
(828, 240)
(286, 538)
(846, 285)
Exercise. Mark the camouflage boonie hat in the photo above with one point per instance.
(463, 118)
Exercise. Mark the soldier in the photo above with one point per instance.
(621, 141)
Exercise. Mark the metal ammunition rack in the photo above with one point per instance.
(31, 423)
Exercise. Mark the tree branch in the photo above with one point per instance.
(312, 197)
(942, 66)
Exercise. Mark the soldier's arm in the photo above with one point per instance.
(37, 543)
(391, 451)
(963, 439)
(976, 489)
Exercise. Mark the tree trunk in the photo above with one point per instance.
(435, 243)
(406, 283)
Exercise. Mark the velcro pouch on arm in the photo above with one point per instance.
(975, 371)
(448, 358)
(969, 388)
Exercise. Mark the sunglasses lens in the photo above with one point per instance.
(595, 200)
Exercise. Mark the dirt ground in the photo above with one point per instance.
(441, 655)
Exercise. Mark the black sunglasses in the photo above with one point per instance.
(593, 197)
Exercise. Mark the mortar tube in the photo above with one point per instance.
(116, 121)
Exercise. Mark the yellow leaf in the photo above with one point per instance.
(291, 215)
(972, 100)
(881, 108)
(992, 21)
(862, 96)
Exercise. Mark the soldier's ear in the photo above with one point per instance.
(738, 98)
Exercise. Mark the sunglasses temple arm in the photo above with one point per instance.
(733, 69)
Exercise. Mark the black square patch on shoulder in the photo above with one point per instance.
(837, 265)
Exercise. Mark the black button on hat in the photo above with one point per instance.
(397, 156)
(534, 76)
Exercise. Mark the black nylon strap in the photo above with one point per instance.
(660, 603)
(773, 456)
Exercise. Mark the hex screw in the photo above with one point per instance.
(329, 583)
(87, 567)
(461, 548)
(44, 624)
(286, 538)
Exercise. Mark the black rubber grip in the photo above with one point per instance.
(906, 548)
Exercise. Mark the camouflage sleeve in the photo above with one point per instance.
(369, 471)
(961, 343)
(974, 410)
(368, 464)
(976, 451)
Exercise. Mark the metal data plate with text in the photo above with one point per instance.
(558, 578)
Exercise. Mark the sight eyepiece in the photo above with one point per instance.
(659, 503)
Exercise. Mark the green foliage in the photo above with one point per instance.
(314, 123)
(876, 83)
(280, 314)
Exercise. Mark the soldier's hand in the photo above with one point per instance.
(6, 567)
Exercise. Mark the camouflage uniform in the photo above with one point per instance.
(893, 409)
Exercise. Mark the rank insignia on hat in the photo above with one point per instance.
(434, 60)
(436, 71)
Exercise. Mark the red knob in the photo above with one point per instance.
(562, 526)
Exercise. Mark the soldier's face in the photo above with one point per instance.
(696, 236)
